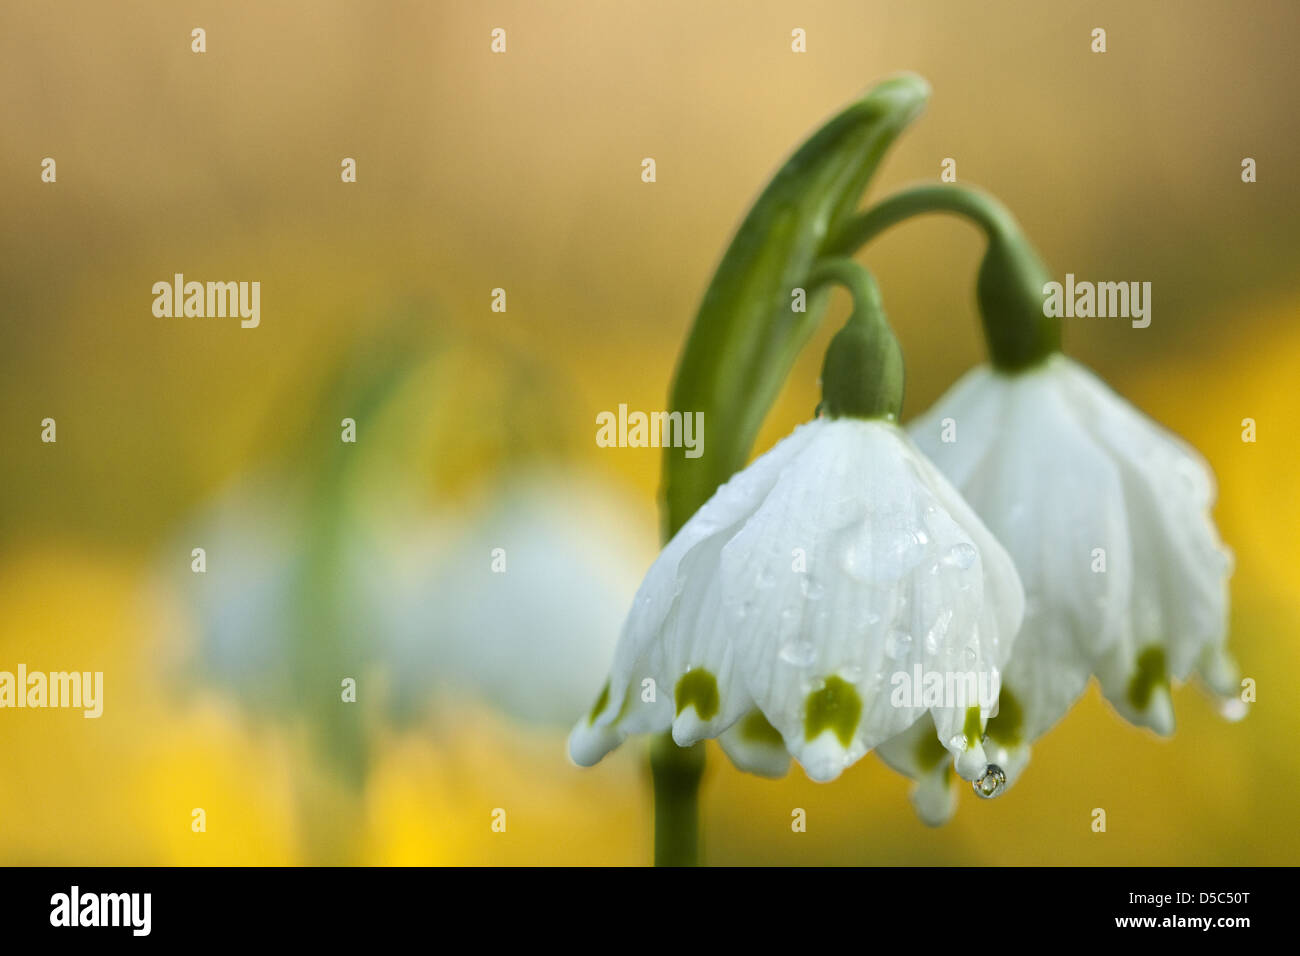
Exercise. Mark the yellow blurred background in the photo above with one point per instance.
(522, 171)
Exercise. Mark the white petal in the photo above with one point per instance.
(817, 647)
(1053, 498)
(1180, 568)
(588, 743)
(968, 413)
(756, 746)
(918, 754)
(675, 596)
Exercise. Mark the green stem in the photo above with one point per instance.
(979, 207)
(1011, 278)
(676, 772)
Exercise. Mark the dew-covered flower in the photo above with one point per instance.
(777, 617)
(1107, 516)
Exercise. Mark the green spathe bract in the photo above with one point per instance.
(746, 336)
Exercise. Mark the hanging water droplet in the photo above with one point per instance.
(799, 653)
(958, 742)
(991, 782)
(1231, 708)
(961, 556)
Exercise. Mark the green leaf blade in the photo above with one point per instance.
(746, 336)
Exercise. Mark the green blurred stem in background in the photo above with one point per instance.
(1011, 277)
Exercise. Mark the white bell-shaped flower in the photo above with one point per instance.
(1107, 516)
(782, 615)
(778, 616)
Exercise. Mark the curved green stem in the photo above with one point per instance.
(1011, 276)
(854, 277)
(973, 204)
(676, 772)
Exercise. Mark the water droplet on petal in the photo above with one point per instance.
(811, 589)
(991, 782)
(937, 631)
(884, 554)
(961, 556)
(799, 653)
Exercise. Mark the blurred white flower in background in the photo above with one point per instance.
(518, 602)
(515, 599)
